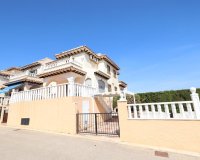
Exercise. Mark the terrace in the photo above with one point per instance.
(22, 75)
(58, 91)
(60, 64)
(25, 76)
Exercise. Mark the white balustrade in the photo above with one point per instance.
(56, 63)
(4, 101)
(59, 91)
(22, 74)
(196, 102)
(166, 110)
(60, 63)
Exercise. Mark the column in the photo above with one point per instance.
(71, 86)
(123, 116)
(196, 102)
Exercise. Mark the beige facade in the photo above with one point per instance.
(173, 134)
(56, 115)
(78, 66)
(63, 78)
(81, 63)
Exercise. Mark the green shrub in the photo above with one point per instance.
(164, 96)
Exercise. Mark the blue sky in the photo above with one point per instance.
(156, 43)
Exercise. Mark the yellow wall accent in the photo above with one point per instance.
(174, 134)
(56, 115)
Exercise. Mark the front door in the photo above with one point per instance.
(5, 116)
(85, 111)
(85, 107)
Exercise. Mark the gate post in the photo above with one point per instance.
(95, 123)
(77, 123)
(123, 116)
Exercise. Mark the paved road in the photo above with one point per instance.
(30, 145)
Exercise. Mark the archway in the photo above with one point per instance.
(88, 82)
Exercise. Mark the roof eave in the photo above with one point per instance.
(74, 51)
(101, 74)
(30, 66)
(63, 70)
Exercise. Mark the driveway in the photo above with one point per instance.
(31, 145)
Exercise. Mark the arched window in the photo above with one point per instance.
(52, 84)
(101, 85)
(53, 88)
(88, 82)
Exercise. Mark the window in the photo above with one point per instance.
(25, 121)
(109, 88)
(93, 58)
(88, 82)
(33, 72)
(115, 88)
(115, 73)
(108, 69)
(101, 85)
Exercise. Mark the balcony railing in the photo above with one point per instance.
(4, 101)
(59, 64)
(164, 110)
(58, 91)
(22, 74)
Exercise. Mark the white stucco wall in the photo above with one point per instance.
(87, 65)
(90, 67)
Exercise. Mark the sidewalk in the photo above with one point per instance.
(33, 145)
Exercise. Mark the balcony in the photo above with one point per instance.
(52, 92)
(24, 76)
(102, 74)
(60, 64)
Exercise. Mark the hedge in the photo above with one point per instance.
(164, 96)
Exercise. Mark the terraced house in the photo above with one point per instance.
(90, 78)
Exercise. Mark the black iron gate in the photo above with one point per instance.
(98, 123)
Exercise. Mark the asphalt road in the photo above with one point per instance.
(31, 145)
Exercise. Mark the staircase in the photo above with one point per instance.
(100, 100)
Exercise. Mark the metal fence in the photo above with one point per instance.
(98, 123)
